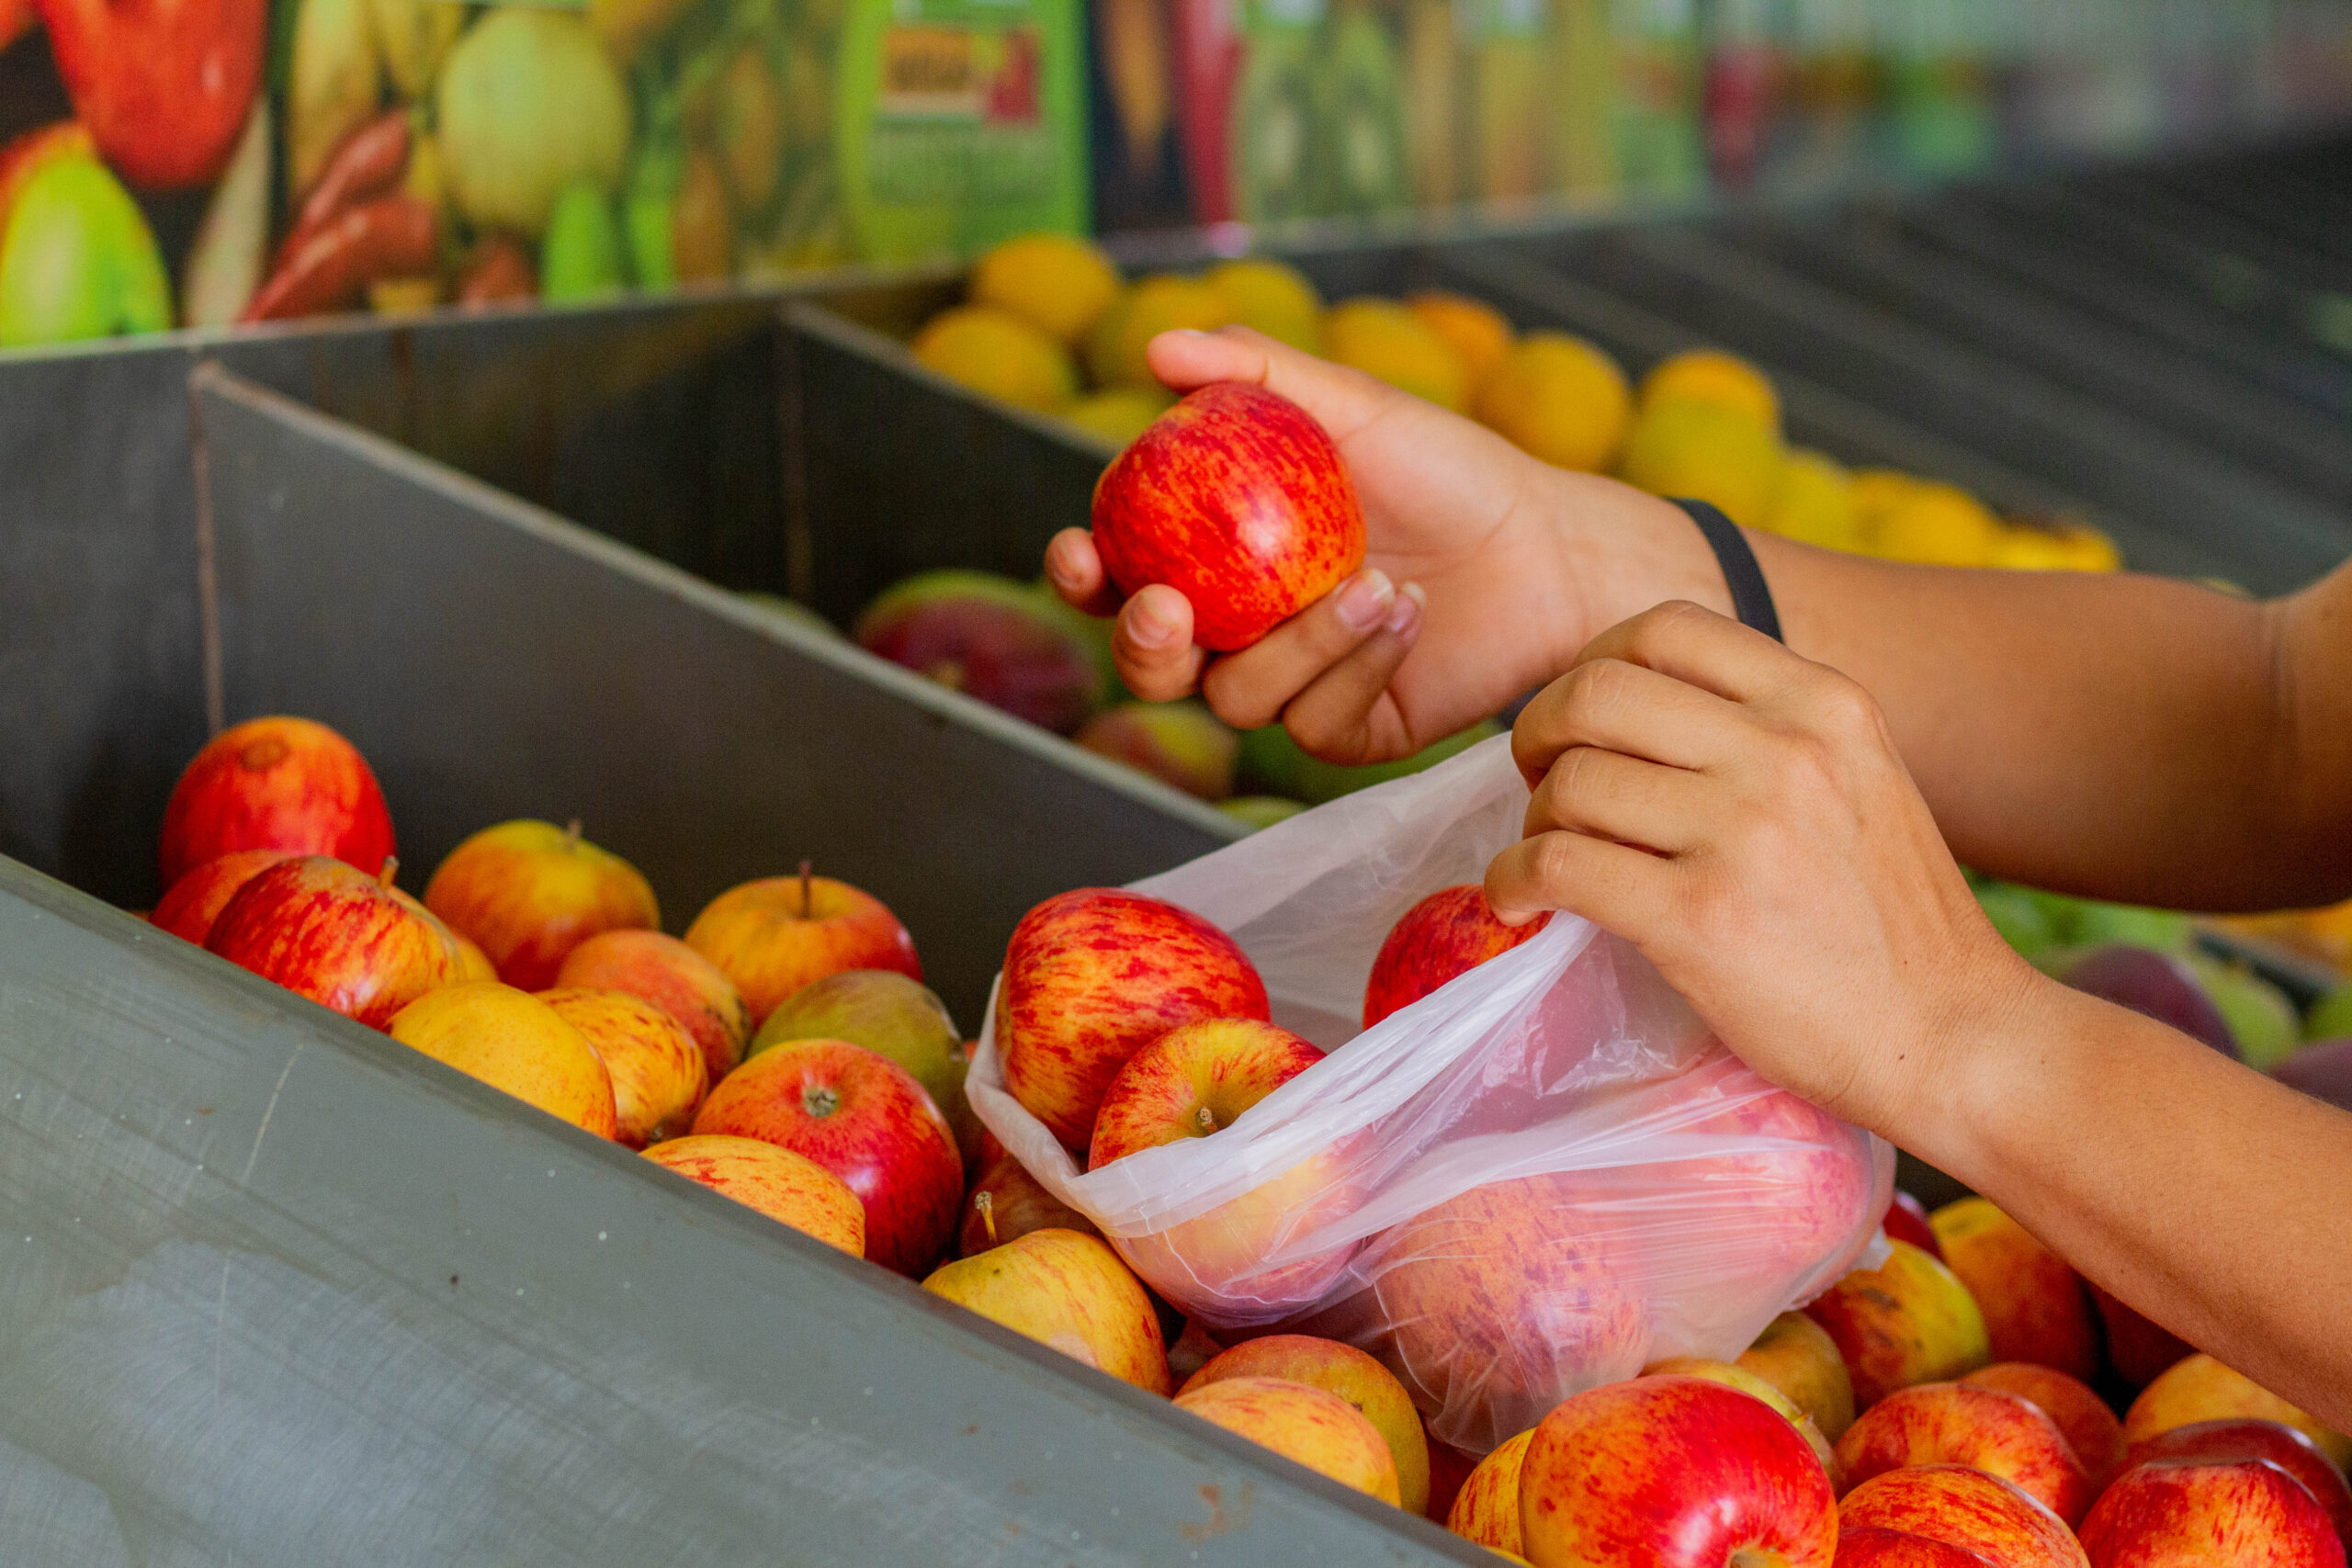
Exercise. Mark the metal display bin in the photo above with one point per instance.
(278, 1290)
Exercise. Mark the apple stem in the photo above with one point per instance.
(386, 872)
(986, 1204)
(808, 894)
(572, 834)
(1207, 1118)
(820, 1101)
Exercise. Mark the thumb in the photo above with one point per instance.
(1341, 398)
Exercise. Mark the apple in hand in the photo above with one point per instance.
(1237, 499)
(1352, 1374)
(1487, 1508)
(1448, 933)
(864, 1118)
(1067, 1291)
(672, 977)
(1006, 1204)
(1310, 1426)
(789, 1188)
(530, 892)
(276, 783)
(2242, 1438)
(1951, 1422)
(1674, 1471)
(1797, 1356)
(513, 1041)
(2091, 1428)
(326, 930)
(1907, 1220)
(1962, 1508)
(773, 936)
(190, 906)
(1092, 977)
(2203, 1389)
(1908, 1321)
(2034, 1304)
(2184, 1513)
(656, 1069)
(888, 1014)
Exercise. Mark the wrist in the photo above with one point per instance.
(1978, 1052)
(1623, 551)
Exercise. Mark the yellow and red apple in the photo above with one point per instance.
(2246, 1438)
(1797, 1356)
(190, 906)
(773, 936)
(789, 1188)
(1908, 1321)
(1352, 1374)
(2034, 1304)
(1006, 1204)
(1964, 1507)
(1953, 1423)
(514, 1042)
(2203, 1389)
(672, 977)
(2138, 1347)
(2175, 1513)
(1487, 1508)
(276, 783)
(1067, 1291)
(1310, 1426)
(528, 892)
(2091, 1428)
(343, 938)
(656, 1069)
(1447, 934)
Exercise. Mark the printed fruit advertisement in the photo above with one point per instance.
(204, 162)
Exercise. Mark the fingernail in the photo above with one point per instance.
(1365, 598)
(1184, 332)
(1150, 629)
(1407, 608)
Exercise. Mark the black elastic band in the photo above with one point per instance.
(1751, 597)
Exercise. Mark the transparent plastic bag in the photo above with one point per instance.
(1536, 1179)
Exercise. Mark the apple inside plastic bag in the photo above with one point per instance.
(1534, 1180)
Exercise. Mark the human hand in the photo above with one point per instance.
(1740, 814)
(1487, 571)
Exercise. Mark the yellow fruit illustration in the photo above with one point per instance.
(1559, 398)
(1710, 375)
(1059, 283)
(1477, 332)
(1275, 298)
(1115, 348)
(1384, 339)
(1704, 452)
(996, 352)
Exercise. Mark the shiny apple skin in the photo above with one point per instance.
(190, 906)
(1310, 1426)
(1967, 1508)
(1237, 499)
(276, 783)
(865, 1119)
(1951, 1422)
(773, 936)
(1069, 1293)
(2184, 1514)
(326, 931)
(2239, 1437)
(1192, 1082)
(672, 977)
(2034, 1304)
(2092, 1430)
(789, 1188)
(527, 893)
(1445, 935)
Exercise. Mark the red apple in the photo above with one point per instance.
(2138, 1349)
(1870, 1547)
(1907, 1220)
(276, 783)
(1448, 933)
(672, 977)
(346, 941)
(2182, 1514)
(528, 892)
(1239, 500)
(1964, 1507)
(2215, 1442)
(2091, 1428)
(1309, 1425)
(1908, 1321)
(1006, 1204)
(1951, 1422)
(1352, 1375)
(2034, 1304)
(790, 1189)
(776, 935)
(163, 84)
(1092, 977)
(190, 906)
(863, 1117)
(1068, 1293)
(658, 1075)
(1486, 1509)
(1449, 1469)
(1193, 1081)
(1675, 1472)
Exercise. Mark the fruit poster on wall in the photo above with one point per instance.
(211, 162)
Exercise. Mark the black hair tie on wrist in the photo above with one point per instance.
(1751, 597)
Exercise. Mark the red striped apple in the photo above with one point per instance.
(2213, 1442)
(1068, 1293)
(1870, 1547)
(1309, 1425)
(514, 1042)
(1756, 1387)
(1964, 1507)
(190, 906)
(326, 930)
(672, 977)
(1908, 1321)
(1907, 1220)
(1090, 977)
(1355, 1377)
(2091, 1428)
(657, 1072)
(773, 936)
(1447, 934)
(2034, 1304)
(1487, 1508)
(528, 892)
(1194, 1081)
(1238, 499)
(276, 783)
(1675, 1472)
(1797, 1356)
(2183, 1514)
(790, 1189)
(1951, 1423)
(865, 1118)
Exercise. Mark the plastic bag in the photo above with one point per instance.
(1533, 1182)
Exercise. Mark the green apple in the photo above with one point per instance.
(1256, 811)
(2019, 915)
(527, 103)
(78, 259)
(2258, 1012)
(883, 1012)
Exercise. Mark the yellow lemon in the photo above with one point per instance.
(1274, 298)
(1058, 283)
(998, 353)
(1114, 349)
(1120, 414)
(1874, 493)
(1384, 339)
(1704, 452)
(1938, 524)
(1558, 398)
(1811, 502)
(1477, 332)
(1710, 375)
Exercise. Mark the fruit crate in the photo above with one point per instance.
(282, 1291)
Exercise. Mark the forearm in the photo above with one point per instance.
(2206, 1195)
